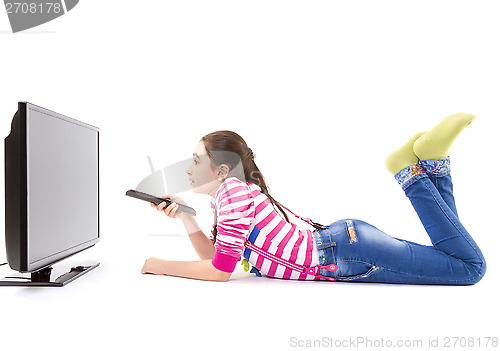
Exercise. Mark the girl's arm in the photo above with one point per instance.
(203, 270)
(203, 245)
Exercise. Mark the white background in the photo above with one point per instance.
(322, 92)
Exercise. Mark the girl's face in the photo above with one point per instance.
(203, 178)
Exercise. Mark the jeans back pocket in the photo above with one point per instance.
(355, 266)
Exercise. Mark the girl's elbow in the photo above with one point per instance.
(224, 278)
(220, 276)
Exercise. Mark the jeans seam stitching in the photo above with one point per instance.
(435, 278)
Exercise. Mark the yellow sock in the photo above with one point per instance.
(404, 156)
(437, 142)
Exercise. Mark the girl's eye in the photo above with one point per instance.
(195, 162)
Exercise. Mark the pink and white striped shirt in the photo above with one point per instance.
(244, 212)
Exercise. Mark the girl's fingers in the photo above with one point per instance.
(167, 208)
(170, 211)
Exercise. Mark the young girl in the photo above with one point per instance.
(247, 222)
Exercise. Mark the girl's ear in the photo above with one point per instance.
(223, 171)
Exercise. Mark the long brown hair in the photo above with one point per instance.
(217, 143)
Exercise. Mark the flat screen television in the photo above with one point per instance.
(51, 195)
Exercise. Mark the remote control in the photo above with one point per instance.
(158, 200)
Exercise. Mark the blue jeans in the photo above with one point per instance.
(363, 253)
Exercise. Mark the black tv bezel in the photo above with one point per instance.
(16, 197)
(16, 225)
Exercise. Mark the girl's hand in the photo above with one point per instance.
(152, 266)
(171, 210)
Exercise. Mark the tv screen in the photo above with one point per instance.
(51, 188)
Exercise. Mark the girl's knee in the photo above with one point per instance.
(477, 272)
